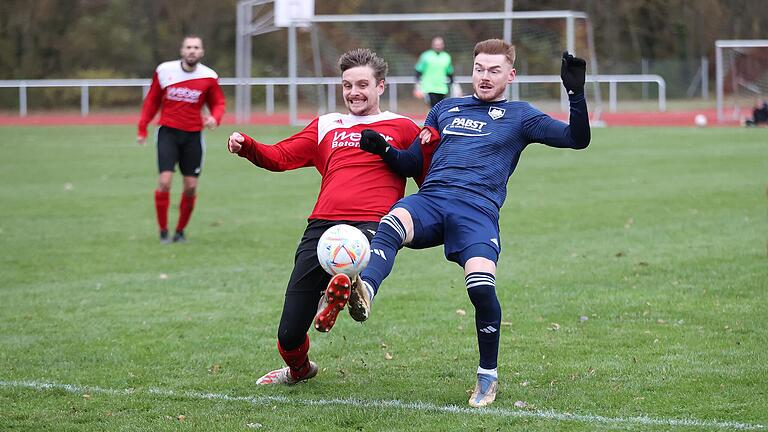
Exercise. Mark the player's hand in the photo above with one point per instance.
(573, 71)
(141, 140)
(235, 142)
(425, 136)
(210, 122)
(417, 93)
(372, 142)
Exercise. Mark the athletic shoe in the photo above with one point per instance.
(283, 376)
(485, 391)
(360, 301)
(164, 237)
(178, 237)
(332, 302)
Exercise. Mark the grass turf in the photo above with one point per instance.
(632, 281)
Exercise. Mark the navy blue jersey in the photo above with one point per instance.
(481, 142)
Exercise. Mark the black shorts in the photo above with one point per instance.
(182, 147)
(434, 98)
(308, 281)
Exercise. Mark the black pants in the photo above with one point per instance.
(182, 147)
(308, 282)
(434, 98)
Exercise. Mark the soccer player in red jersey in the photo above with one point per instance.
(179, 90)
(357, 189)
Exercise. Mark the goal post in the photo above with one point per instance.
(741, 75)
(314, 43)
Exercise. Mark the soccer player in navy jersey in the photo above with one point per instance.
(357, 188)
(481, 139)
(179, 90)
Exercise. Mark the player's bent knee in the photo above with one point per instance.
(406, 221)
(480, 264)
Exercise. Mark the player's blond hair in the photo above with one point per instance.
(496, 46)
(364, 57)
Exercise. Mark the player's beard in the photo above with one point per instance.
(191, 62)
(488, 95)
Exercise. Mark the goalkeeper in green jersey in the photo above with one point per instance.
(434, 73)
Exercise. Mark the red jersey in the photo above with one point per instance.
(355, 185)
(181, 95)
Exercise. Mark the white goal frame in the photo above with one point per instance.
(247, 29)
(720, 72)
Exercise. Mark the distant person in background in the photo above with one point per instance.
(434, 73)
(179, 90)
(759, 114)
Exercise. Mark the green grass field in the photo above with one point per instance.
(633, 284)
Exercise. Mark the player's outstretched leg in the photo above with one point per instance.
(389, 238)
(332, 302)
(485, 390)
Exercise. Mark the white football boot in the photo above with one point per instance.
(359, 300)
(283, 376)
(485, 391)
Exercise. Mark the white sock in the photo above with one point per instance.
(492, 372)
(369, 288)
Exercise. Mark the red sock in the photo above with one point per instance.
(162, 201)
(185, 211)
(297, 358)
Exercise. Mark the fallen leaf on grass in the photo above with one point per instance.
(388, 356)
(630, 222)
(461, 312)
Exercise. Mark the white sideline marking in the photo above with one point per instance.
(412, 406)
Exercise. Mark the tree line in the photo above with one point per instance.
(128, 38)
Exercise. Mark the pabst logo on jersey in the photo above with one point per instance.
(343, 138)
(183, 94)
(465, 127)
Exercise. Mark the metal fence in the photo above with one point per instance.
(331, 85)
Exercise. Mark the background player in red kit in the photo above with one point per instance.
(179, 89)
(357, 189)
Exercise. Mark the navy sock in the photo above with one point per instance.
(389, 238)
(481, 288)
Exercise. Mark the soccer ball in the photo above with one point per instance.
(700, 120)
(343, 249)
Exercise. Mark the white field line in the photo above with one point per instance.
(393, 404)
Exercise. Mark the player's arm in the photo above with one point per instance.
(294, 152)
(216, 105)
(539, 127)
(409, 162)
(149, 109)
(419, 69)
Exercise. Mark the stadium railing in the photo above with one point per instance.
(331, 83)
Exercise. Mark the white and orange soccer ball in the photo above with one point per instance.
(343, 249)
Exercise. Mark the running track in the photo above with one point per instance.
(677, 118)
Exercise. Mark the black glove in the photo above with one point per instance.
(573, 72)
(372, 142)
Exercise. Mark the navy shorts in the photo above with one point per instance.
(466, 229)
(182, 147)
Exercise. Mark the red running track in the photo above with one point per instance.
(677, 118)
